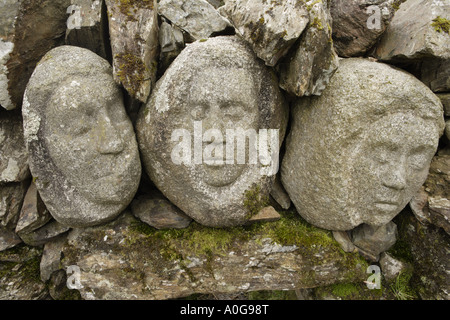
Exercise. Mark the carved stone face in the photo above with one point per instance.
(91, 140)
(220, 104)
(392, 163)
(198, 132)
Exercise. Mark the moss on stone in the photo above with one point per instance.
(441, 25)
(254, 201)
(401, 287)
(129, 7)
(132, 71)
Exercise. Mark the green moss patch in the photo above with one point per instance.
(132, 71)
(441, 25)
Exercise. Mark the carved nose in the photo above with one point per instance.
(109, 140)
(396, 177)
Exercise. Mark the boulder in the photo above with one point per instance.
(82, 149)
(198, 18)
(270, 27)
(352, 155)
(23, 44)
(133, 30)
(416, 32)
(307, 69)
(214, 91)
(357, 25)
(13, 154)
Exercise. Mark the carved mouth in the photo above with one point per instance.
(387, 205)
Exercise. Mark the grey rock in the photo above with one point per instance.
(44, 234)
(411, 34)
(375, 240)
(159, 213)
(198, 18)
(11, 199)
(133, 30)
(8, 238)
(211, 87)
(271, 27)
(431, 204)
(82, 149)
(33, 214)
(445, 99)
(357, 25)
(312, 62)
(343, 238)
(279, 194)
(51, 257)
(391, 267)
(339, 170)
(25, 44)
(216, 3)
(86, 26)
(171, 41)
(435, 74)
(13, 154)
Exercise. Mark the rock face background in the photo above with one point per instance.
(160, 252)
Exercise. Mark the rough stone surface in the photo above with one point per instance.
(375, 240)
(357, 25)
(279, 194)
(51, 257)
(13, 154)
(198, 18)
(213, 86)
(87, 26)
(343, 238)
(82, 148)
(312, 62)
(266, 214)
(133, 30)
(33, 214)
(411, 34)
(391, 267)
(159, 213)
(353, 156)
(171, 41)
(19, 275)
(435, 74)
(8, 14)
(447, 129)
(427, 248)
(431, 204)
(44, 234)
(118, 262)
(39, 26)
(445, 99)
(11, 199)
(271, 27)
(8, 238)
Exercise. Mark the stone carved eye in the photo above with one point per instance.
(232, 111)
(417, 161)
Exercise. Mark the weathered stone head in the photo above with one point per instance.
(360, 152)
(200, 133)
(83, 150)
